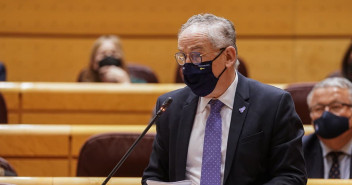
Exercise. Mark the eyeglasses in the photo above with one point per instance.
(194, 57)
(334, 107)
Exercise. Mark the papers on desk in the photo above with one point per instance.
(184, 182)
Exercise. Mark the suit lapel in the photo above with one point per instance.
(237, 121)
(316, 160)
(184, 133)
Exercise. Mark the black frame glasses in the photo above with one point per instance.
(334, 107)
(195, 57)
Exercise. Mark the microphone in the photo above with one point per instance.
(162, 109)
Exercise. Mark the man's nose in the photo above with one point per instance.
(188, 59)
(326, 108)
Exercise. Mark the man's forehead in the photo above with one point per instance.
(193, 40)
(330, 94)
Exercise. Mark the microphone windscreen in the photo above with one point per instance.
(167, 102)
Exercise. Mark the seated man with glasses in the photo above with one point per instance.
(224, 128)
(328, 150)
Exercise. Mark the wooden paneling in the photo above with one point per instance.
(50, 41)
(41, 167)
(34, 141)
(11, 94)
(323, 17)
(53, 150)
(13, 117)
(265, 56)
(134, 17)
(268, 60)
(112, 118)
(287, 60)
(43, 145)
(44, 59)
(82, 103)
(315, 59)
(50, 150)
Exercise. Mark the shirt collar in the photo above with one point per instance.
(226, 98)
(347, 149)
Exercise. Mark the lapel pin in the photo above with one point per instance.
(242, 109)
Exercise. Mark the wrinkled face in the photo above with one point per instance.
(194, 39)
(330, 99)
(106, 49)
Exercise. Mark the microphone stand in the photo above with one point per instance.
(162, 109)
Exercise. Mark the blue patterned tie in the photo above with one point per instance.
(334, 172)
(211, 161)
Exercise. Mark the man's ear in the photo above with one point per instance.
(231, 56)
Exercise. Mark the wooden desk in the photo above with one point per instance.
(52, 150)
(83, 103)
(119, 181)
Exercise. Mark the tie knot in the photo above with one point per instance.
(215, 105)
(335, 155)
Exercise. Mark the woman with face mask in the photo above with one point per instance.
(106, 63)
(328, 150)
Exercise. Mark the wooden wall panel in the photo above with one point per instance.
(13, 117)
(84, 103)
(61, 59)
(315, 59)
(11, 94)
(44, 59)
(323, 17)
(112, 118)
(42, 167)
(135, 17)
(50, 41)
(34, 145)
(267, 59)
(287, 60)
(42, 162)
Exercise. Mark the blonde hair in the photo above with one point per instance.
(114, 39)
(89, 74)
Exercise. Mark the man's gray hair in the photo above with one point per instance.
(221, 32)
(338, 82)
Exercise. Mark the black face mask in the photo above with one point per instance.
(107, 61)
(329, 125)
(200, 78)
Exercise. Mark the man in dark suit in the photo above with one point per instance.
(224, 128)
(328, 150)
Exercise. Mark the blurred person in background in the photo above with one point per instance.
(2, 71)
(328, 151)
(107, 63)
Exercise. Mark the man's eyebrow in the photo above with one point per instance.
(193, 48)
(196, 47)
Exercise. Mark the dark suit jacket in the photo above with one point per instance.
(313, 155)
(264, 143)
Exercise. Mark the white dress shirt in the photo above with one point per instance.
(195, 148)
(344, 160)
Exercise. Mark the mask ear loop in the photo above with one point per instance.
(222, 50)
(223, 72)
